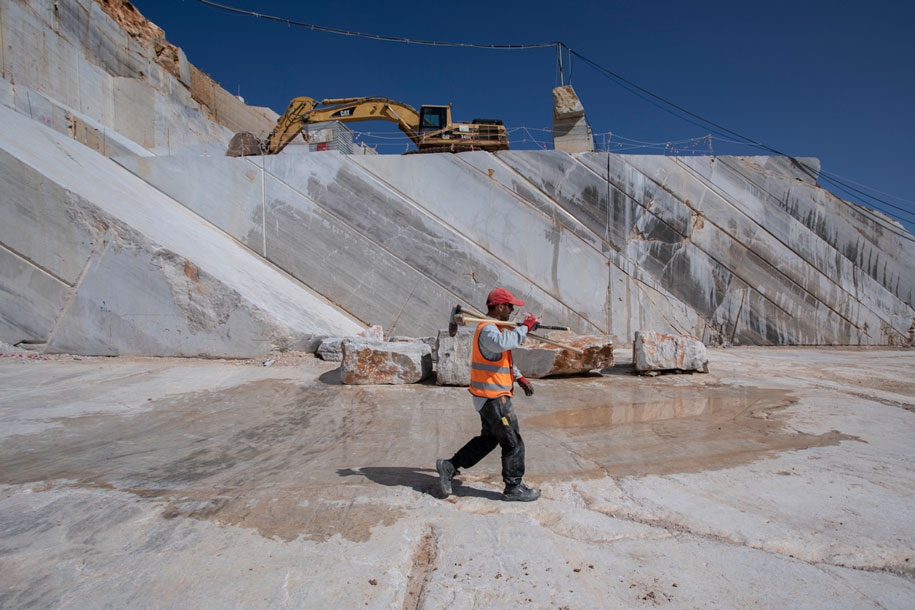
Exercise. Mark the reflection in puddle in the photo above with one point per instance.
(620, 407)
(638, 428)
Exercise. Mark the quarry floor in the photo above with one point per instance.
(782, 479)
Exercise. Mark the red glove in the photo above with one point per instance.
(526, 386)
(531, 321)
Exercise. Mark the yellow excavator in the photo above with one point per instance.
(430, 129)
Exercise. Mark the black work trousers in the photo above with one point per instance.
(500, 427)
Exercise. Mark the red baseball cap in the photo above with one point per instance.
(501, 295)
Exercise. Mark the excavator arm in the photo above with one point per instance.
(431, 130)
(303, 111)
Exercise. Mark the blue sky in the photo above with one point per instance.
(820, 79)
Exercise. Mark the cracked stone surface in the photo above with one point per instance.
(781, 479)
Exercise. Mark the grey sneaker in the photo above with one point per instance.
(446, 472)
(520, 493)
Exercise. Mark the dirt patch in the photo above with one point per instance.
(424, 559)
(286, 513)
(260, 456)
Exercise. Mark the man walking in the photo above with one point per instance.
(492, 377)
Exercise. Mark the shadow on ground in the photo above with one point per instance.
(416, 479)
(333, 377)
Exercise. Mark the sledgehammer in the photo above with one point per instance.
(459, 319)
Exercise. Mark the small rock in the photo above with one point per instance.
(331, 349)
(373, 582)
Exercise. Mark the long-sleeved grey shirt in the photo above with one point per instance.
(493, 343)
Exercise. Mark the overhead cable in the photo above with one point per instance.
(321, 28)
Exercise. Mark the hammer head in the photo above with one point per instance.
(452, 320)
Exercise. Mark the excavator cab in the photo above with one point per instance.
(434, 118)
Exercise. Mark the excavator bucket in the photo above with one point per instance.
(244, 144)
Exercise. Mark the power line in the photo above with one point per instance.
(890, 195)
(320, 28)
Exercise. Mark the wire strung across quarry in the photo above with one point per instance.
(322, 28)
(656, 100)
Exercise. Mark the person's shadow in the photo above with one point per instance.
(416, 479)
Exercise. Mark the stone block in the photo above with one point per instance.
(454, 357)
(572, 135)
(537, 359)
(566, 104)
(331, 348)
(652, 351)
(371, 363)
(571, 132)
(432, 342)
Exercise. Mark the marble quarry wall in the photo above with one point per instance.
(125, 230)
(95, 261)
(606, 244)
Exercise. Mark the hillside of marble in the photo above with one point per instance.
(152, 242)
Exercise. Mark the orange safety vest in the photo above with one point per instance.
(490, 378)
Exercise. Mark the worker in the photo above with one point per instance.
(492, 377)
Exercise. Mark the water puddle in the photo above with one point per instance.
(621, 406)
(639, 429)
(282, 457)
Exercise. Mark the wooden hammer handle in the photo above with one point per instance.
(462, 319)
